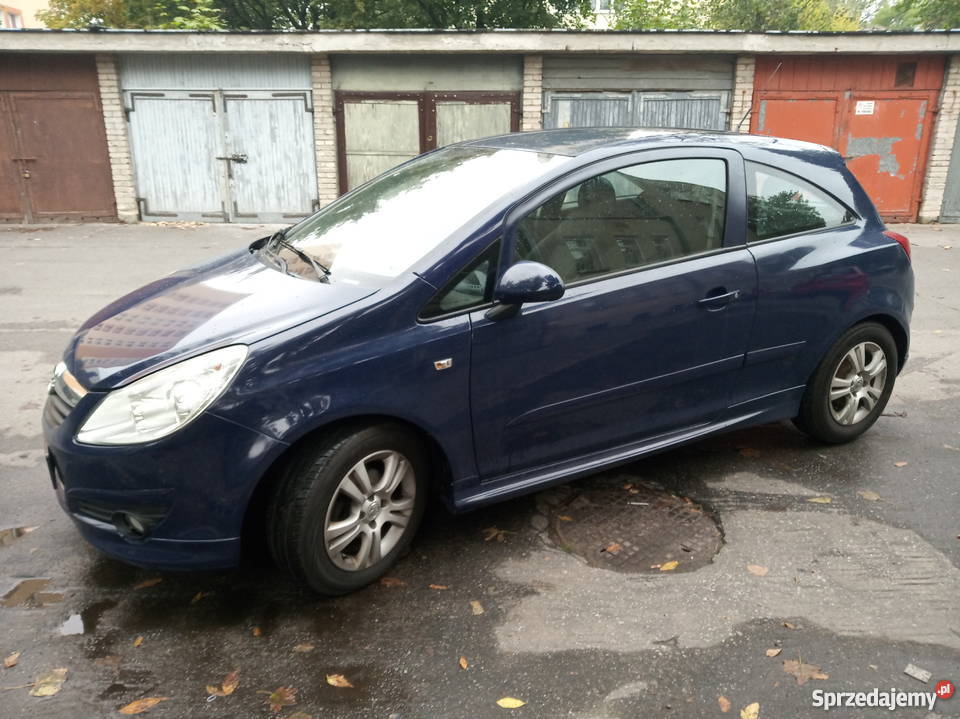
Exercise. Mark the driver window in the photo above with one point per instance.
(631, 217)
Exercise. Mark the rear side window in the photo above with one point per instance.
(780, 204)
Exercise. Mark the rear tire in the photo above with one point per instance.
(345, 510)
(851, 386)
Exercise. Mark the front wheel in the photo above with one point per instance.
(851, 386)
(345, 510)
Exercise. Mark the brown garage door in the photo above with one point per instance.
(53, 148)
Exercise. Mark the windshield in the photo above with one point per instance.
(382, 228)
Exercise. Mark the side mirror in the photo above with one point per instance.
(525, 282)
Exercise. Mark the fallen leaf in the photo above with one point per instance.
(439, 587)
(257, 632)
(669, 566)
(820, 500)
(392, 582)
(803, 672)
(280, 697)
(303, 648)
(227, 687)
(495, 533)
(774, 652)
(141, 705)
(750, 711)
(628, 485)
(476, 607)
(612, 548)
(750, 452)
(724, 703)
(11, 661)
(900, 464)
(510, 703)
(199, 595)
(757, 569)
(338, 680)
(463, 663)
(951, 448)
(51, 684)
(790, 625)
(565, 518)
(111, 661)
(869, 495)
(634, 490)
(148, 583)
(138, 641)
(300, 715)
(921, 675)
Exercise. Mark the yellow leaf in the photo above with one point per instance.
(774, 652)
(750, 711)
(49, 685)
(439, 587)
(565, 518)
(476, 607)
(338, 680)
(257, 632)
(790, 625)
(869, 495)
(669, 566)
(280, 697)
(148, 583)
(228, 686)
(757, 569)
(820, 500)
(464, 663)
(612, 548)
(199, 595)
(303, 648)
(900, 464)
(138, 641)
(141, 705)
(11, 661)
(803, 672)
(510, 703)
(392, 582)
(724, 703)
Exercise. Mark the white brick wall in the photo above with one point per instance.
(941, 144)
(118, 144)
(532, 102)
(324, 130)
(742, 101)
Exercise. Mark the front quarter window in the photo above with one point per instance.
(382, 228)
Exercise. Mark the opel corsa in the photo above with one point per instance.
(480, 322)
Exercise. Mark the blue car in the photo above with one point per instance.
(481, 322)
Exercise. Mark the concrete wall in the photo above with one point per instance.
(532, 100)
(742, 100)
(118, 143)
(324, 131)
(426, 73)
(942, 145)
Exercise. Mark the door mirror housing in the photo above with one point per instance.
(528, 282)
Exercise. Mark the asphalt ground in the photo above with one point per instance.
(850, 591)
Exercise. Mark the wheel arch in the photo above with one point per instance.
(901, 336)
(253, 532)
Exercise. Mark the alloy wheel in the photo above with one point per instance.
(857, 383)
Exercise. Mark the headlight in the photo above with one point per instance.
(163, 402)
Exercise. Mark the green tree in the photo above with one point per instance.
(751, 15)
(660, 14)
(919, 14)
(151, 14)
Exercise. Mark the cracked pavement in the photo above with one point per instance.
(860, 586)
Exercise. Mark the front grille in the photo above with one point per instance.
(63, 396)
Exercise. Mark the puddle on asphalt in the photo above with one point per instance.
(87, 620)
(29, 593)
(11, 535)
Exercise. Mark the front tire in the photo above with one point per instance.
(345, 510)
(851, 386)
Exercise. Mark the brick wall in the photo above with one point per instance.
(742, 100)
(118, 143)
(532, 102)
(941, 145)
(324, 132)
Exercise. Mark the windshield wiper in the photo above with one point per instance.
(277, 240)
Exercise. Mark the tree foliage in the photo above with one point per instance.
(752, 15)
(149, 14)
(919, 14)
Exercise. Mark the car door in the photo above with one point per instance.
(660, 295)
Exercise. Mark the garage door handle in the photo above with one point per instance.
(235, 157)
(718, 301)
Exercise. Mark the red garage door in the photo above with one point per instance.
(878, 112)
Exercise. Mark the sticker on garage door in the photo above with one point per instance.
(865, 107)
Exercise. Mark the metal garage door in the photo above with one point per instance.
(637, 91)
(240, 152)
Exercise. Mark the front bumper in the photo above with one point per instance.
(191, 489)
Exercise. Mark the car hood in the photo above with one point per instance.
(235, 299)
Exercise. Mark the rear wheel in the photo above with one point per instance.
(851, 386)
(346, 510)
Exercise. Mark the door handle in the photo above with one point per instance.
(235, 157)
(718, 301)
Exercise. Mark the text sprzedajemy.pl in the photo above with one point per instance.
(892, 699)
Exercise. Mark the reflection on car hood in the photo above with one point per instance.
(235, 299)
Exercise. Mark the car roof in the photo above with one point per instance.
(578, 141)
